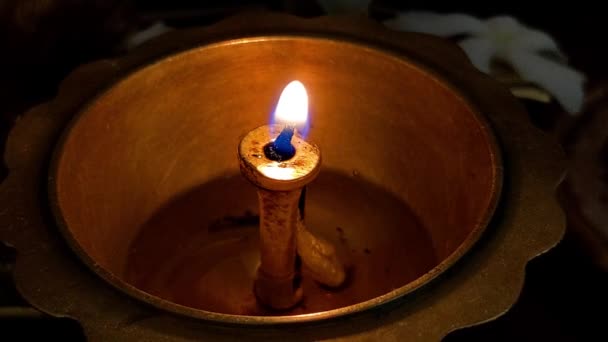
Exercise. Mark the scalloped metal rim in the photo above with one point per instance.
(550, 157)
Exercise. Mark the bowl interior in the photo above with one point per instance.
(147, 189)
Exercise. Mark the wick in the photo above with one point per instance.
(281, 149)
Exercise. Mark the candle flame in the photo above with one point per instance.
(292, 108)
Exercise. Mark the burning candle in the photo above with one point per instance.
(280, 163)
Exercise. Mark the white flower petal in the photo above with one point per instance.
(436, 24)
(480, 52)
(504, 24)
(344, 6)
(534, 40)
(564, 83)
(143, 36)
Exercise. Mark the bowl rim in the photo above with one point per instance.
(391, 52)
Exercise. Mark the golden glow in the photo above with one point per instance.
(292, 108)
(277, 171)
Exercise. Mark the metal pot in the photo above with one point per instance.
(435, 184)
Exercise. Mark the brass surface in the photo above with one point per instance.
(177, 125)
(414, 94)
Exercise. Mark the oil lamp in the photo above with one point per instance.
(149, 231)
(281, 167)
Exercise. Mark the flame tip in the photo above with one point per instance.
(292, 107)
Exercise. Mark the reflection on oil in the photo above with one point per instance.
(201, 249)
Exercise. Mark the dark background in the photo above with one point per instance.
(565, 297)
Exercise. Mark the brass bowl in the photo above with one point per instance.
(404, 122)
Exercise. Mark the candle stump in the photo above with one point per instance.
(283, 235)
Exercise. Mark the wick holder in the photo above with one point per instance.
(283, 235)
(276, 283)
